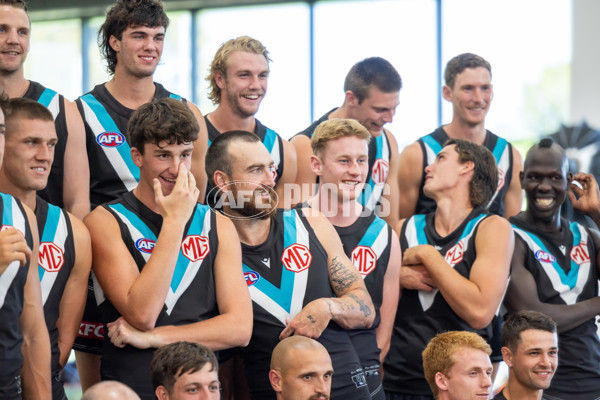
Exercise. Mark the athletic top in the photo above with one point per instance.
(500, 396)
(379, 164)
(112, 171)
(56, 260)
(367, 243)
(12, 293)
(286, 272)
(563, 265)
(53, 192)
(433, 143)
(191, 297)
(421, 315)
(272, 141)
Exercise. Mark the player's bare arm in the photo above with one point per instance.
(289, 174)
(391, 295)
(233, 299)
(414, 277)
(199, 153)
(476, 299)
(513, 199)
(74, 296)
(76, 178)
(35, 374)
(140, 296)
(586, 199)
(392, 195)
(305, 177)
(410, 173)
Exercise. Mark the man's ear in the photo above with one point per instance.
(275, 379)
(221, 180)
(441, 381)
(161, 393)
(467, 166)
(447, 93)
(316, 165)
(137, 157)
(507, 356)
(220, 79)
(114, 43)
(351, 99)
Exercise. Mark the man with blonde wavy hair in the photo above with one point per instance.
(238, 83)
(457, 366)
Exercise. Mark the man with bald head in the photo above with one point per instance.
(110, 390)
(300, 369)
(555, 266)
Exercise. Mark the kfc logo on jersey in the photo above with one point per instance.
(364, 259)
(91, 330)
(51, 257)
(455, 254)
(251, 278)
(579, 254)
(145, 245)
(380, 170)
(195, 247)
(500, 179)
(296, 258)
(110, 139)
(543, 256)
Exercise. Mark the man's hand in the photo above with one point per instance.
(13, 247)
(588, 198)
(121, 333)
(311, 321)
(418, 255)
(182, 200)
(416, 277)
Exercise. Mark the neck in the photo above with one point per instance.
(27, 197)
(515, 391)
(460, 130)
(145, 194)
(14, 84)
(342, 112)
(252, 232)
(131, 91)
(224, 119)
(449, 215)
(339, 213)
(551, 224)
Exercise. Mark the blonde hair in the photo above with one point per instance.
(221, 60)
(334, 129)
(438, 356)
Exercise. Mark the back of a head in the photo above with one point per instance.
(372, 72)
(160, 120)
(175, 359)
(109, 390)
(438, 356)
(521, 321)
(124, 14)
(220, 61)
(336, 128)
(461, 62)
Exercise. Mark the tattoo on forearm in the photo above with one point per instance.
(366, 310)
(341, 277)
(311, 319)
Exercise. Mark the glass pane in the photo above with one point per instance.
(284, 30)
(530, 59)
(401, 31)
(54, 57)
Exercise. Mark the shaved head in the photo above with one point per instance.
(283, 352)
(546, 147)
(110, 390)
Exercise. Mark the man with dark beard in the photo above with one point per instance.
(300, 280)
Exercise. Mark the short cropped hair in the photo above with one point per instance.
(16, 4)
(545, 143)
(4, 103)
(125, 14)
(461, 62)
(221, 61)
(373, 71)
(485, 172)
(438, 356)
(175, 359)
(26, 109)
(336, 128)
(162, 119)
(521, 321)
(217, 155)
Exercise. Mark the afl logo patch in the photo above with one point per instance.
(296, 258)
(543, 256)
(251, 277)
(51, 257)
(110, 139)
(145, 245)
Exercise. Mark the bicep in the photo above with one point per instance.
(513, 199)
(392, 195)
(199, 153)
(289, 172)
(410, 174)
(304, 174)
(76, 179)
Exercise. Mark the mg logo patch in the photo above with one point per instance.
(296, 258)
(579, 254)
(543, 256)
(500, 179)
(145, 245)
(110, 139)
(455, 254)
(195, 247)
(51, 257)
(380, 170)
(364, 259)
(251, 278)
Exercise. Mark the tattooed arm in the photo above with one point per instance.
(352, 308)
